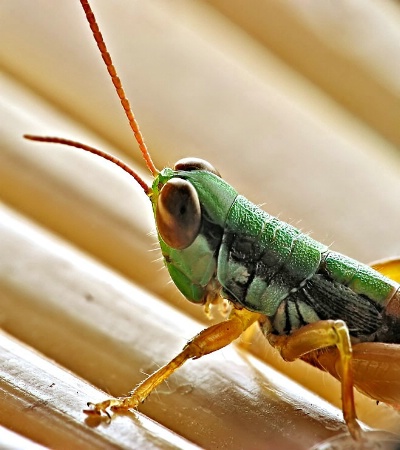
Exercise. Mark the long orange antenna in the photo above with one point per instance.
(87, 148)
(118, 86)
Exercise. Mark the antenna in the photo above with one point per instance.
(118, 85)
(95, 151)
(125, 104)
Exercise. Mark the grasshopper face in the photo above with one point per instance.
(190, 213)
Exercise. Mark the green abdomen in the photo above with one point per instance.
(270, 267)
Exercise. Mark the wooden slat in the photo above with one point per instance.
(43, 402)
(333, 47)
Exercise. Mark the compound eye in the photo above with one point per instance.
(188, 164)
(178, 215)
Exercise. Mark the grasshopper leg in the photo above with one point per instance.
(305, 343)
(207, 341)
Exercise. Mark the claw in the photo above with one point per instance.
(98, 409)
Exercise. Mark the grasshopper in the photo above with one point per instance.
(311, 303)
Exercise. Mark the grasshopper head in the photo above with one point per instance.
(190, 202)
(190, 205)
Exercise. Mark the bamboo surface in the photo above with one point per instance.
(296, 103)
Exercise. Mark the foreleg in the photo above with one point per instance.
(207, 341)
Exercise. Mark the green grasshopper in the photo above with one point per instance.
(310, 302)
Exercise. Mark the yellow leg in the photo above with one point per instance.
(319, 335)
(207, 341)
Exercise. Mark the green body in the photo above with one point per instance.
(268, 266)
